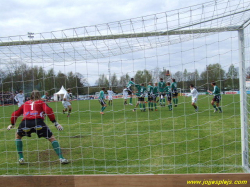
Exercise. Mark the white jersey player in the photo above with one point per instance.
(125, 95)
(66, 102)
(194, 93)
(110, 96)
(19, 98)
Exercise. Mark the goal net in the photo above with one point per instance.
(194, 45)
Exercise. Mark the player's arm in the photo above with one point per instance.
(14, 117)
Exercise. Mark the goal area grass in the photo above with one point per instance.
(125, 142)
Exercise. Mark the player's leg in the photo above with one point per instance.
(70, 109)
(218, 106)
(19, 147)
(212, 103)
(57, 149)
(138, 102)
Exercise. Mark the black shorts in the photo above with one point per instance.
(102, 102)
(140, 98)
(37, 126)
(150, 98)
(162, 94)
(217, 98)
(130, 91)
(169, 97)
(154, 97)
(175, 93)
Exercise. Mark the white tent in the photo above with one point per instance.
(59, 95)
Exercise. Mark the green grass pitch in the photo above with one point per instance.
(126, 142)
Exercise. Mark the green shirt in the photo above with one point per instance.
(174, 86)
(162, 86)
(141, 90)
(150, 89)
(130, 83)
(156, 90)
(168, 89)
(216, 91)
(101, 96)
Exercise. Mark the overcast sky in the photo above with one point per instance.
(18, 17)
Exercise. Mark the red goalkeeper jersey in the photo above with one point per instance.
(33, 110)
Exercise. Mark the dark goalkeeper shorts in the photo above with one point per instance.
(140, 98)
(175, 93)
(37, 126)
(102, 102)
(150, 98)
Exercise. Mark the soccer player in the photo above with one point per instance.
(45, 97)
(162, 86)
(169, 95)
(194, 93)
(110, 96)
(125, 95)
(33, 122)
(102, 100)
(174, 92)
(217, 97)
(150, 96)
(19, 98)
(155, 95)
(129, 89)
(66, 102)
(141, 96)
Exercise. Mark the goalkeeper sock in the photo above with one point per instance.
(19, 147)
(57, 148)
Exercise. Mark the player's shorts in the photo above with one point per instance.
(162, 95)
(175, 93)
(141, 98)
(20, 104)
(102, 102)
(66, 104)
(217, 98)
(150, 98)
(154, 97)
(169, 97)
(129, 91)
(194, 100)
(110, 97)
(37, 126)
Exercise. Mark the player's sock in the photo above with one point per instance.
(144, 106)
(155, 106)
(57, 148)
(164, 101)
(215, 107)
(103, 108)
(169, 107)
(219, 108)
(176, 101)
(19, 147)
(140, 106)
(130, 100)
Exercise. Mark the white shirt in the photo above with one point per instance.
(19, 98)
(110, 92)
(194, 93)
(125, 92)
(67, 97)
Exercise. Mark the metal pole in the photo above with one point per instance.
(243, 101)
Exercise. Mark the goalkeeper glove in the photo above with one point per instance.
(58, 126)
(10, 127)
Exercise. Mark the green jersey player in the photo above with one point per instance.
(141, 95)
(169, 95)
(150, 96)
(217, 97)
(102, 100)
(162, 86)
(174, 92)
(129, 89)
(155, 94)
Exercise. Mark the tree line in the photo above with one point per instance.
(19, 76)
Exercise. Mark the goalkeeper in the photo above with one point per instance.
(33, 122)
